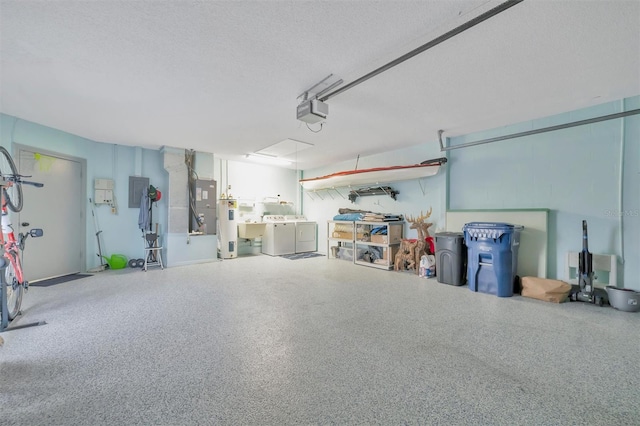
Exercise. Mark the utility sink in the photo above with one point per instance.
(251, 230)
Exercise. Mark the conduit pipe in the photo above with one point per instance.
(621, 187)
(536, 131)
(436, 41)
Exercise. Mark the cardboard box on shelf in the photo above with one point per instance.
(393, 250)
(394, 235)
(349, 236)
(379, 239)
(343, 235)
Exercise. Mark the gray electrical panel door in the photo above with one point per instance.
(137, 186)
(205, 206)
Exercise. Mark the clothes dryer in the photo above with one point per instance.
(306, 233)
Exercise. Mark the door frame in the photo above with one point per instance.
(15, 152)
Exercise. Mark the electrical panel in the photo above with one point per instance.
(137, 187)
(103, 191)
(205, 206)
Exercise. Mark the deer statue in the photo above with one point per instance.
(405, 257)
(422, 227)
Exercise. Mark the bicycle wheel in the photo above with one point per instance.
(14, 289)
(13, 192)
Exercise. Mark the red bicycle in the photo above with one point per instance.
(11, 197)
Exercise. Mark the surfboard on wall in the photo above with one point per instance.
(374, 175)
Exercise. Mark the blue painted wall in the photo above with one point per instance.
(589, 172)
(120, 233)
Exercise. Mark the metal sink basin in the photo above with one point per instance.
(251, 230)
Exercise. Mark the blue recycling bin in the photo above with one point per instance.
(492, 251)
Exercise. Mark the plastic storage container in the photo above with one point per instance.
(450, 258)
(492, 250)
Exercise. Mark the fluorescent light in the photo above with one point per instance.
(268, 159)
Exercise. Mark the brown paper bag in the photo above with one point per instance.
(544, 289)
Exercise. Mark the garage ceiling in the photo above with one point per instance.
(224, 76)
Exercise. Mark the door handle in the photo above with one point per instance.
(25, 224)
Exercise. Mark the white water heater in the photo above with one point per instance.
(228, 232)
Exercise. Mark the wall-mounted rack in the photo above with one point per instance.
(327, 191)
(377, 190)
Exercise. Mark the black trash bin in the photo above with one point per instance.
(451, 254)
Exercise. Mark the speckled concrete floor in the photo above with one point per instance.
(271, 341)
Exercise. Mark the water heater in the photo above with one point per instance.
(228, 232)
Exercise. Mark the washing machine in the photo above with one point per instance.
(306, 233)
(279, 236)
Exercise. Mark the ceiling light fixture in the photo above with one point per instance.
(268, 159)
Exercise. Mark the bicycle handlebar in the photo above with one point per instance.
(36, 184)
(18, 179)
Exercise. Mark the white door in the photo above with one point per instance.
(57, 209)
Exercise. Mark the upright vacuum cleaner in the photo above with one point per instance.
(585, 291)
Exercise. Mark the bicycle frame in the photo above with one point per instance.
(10, 256)
(10, 245)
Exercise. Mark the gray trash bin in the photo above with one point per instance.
(450, 258)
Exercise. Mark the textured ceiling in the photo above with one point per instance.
(224, 76)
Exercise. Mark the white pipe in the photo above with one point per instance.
(621, 185)
(226, 178)
(223, 184)
(219, 176)
(299, 192)
(137, 161)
